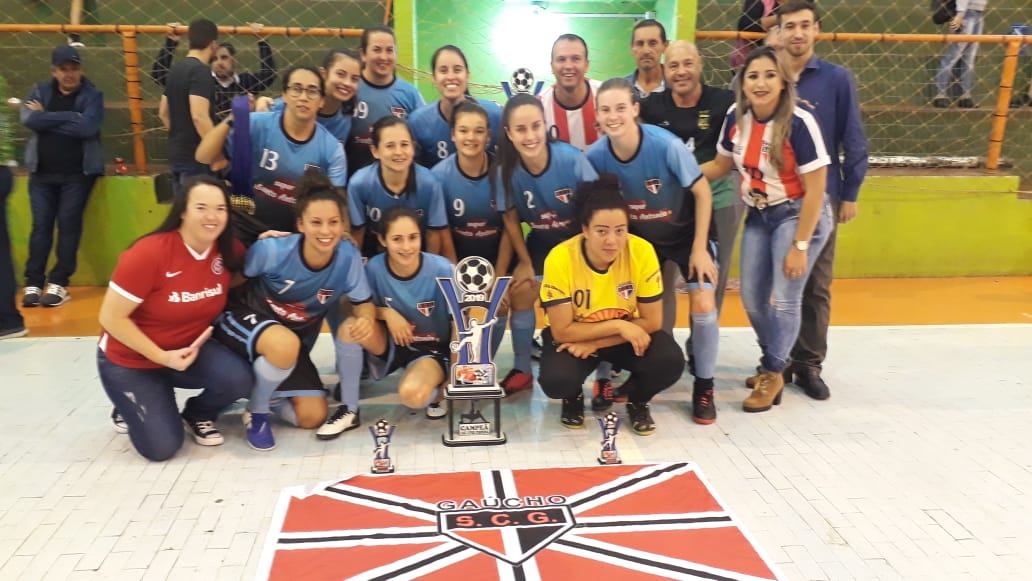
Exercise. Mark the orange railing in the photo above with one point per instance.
(132, 64)
(129, 35)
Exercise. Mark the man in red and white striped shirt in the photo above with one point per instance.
(570, 102)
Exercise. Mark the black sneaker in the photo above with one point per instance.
(204, 432)
(14, 332)
(641, 419)
(339, 422)
(604, 395)
(573, 412)
(703, 410)
(75, 41)
(118, 422)
(535, 348)
(966, 103)
(940, 102)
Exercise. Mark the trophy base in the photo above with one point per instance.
(485, 392)
(608, 458)
(382, 467)
(479, 440)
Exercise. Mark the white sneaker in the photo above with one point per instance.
(341, 420)
(434, 411)
(118, 422)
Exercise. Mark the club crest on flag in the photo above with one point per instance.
(493, 531)
(323, 295)
(425, 307)
(653, 185)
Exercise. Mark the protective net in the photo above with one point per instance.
(26, 54)
(895, 79)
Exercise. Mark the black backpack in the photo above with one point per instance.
(943, 11)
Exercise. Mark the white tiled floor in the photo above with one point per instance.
(918, 467)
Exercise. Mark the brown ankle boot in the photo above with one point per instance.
(750, 381)
(767, 392)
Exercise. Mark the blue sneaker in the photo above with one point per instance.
(259, 431)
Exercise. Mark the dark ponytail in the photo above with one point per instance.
(601, 194)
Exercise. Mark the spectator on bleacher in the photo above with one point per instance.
(380, 94)
(757, 16)
(970, 19)
(228, 83)
(11, 322)
(831, 90)
(65, 157)
(777, 147)
(185, 108)
(166, 290)
(648, 41)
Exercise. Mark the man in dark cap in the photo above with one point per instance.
(64, 158)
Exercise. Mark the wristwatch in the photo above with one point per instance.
(801, 245)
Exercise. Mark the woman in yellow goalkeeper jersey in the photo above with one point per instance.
(602, 294)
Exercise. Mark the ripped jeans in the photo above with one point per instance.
(773, 301)
(146, 397)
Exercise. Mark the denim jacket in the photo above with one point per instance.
(84, 122)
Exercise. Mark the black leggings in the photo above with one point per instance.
(562, 375)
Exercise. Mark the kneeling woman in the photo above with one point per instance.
(164, 293)
(274, 318)
(416, 326)
(602, 294)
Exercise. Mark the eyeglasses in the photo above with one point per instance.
(311, 92)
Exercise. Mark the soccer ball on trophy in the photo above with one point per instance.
(522, 80)
(474, 274)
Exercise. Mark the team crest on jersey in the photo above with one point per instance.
(426, 307)
(217, 266)
(654, 185)
(323, 295)
(563, 195)
(625, 290)
(399, 112)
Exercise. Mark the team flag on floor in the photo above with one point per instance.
(627, 522)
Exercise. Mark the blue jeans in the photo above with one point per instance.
(974, 23)
(773, 301)
(10, 318)
(59, 199)
(147, 401)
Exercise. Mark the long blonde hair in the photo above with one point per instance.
(781, 127)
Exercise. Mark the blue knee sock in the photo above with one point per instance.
(350, 358)
(284, 408)
(705, 340)
(522, 325)
(497, 332)
(267, 378)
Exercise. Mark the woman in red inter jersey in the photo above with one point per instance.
(166, 290)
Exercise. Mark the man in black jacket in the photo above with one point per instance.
(228, 83)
